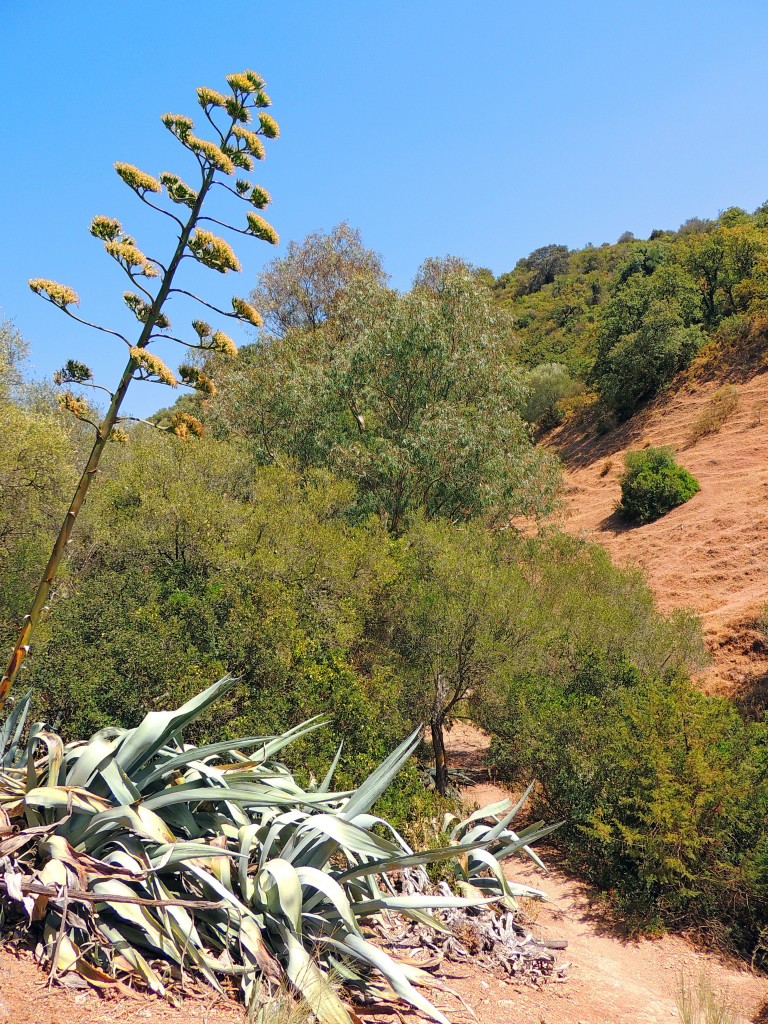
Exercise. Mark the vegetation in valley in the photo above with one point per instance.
(355, 523)
(620, 321)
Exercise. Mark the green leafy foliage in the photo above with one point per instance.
(653, 484)
(413, 398)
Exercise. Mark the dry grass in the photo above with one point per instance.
(698, 1003)
(719, 409)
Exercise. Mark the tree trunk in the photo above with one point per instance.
(441, 765)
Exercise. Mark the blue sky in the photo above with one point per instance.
(479, 129)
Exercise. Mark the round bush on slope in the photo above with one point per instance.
(653, 484)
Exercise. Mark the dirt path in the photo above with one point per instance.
(612, 980)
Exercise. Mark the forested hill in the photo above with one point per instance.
(617, 322)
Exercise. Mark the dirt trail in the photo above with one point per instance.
(612, 980)
(709, 555)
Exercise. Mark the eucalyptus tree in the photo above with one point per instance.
(238, 122)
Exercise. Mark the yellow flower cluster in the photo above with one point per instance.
(210, 97)
(59, 294)
(247, 312)
(194, 377)
(71, 403)
(237, 110)
(246, 81)
(222, 342)
(213, 251)
(153, 365)
(179, 125)
(261, 229)
(262, 99)
(118, 435)
(203, 330)
(211, 152)
(142, 309)
(269, 126)
(105, 228)
(178, 191)
(182, 425)
(253, 143)
(127, 254)
(259, 197)
(138, 180)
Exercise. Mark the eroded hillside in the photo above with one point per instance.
(709, 555)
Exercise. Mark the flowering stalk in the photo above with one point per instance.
(235, 147)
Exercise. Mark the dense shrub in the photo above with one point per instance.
(653, 484)
(548, 385)
(659, 787)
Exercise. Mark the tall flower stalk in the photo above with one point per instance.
(239, 125)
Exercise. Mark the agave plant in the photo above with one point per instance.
(139, 853)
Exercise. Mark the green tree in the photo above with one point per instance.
(415, 398)
(447, 624)
(302, 289)
(236, 147)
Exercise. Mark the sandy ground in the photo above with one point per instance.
(611, 980)
(709, 555)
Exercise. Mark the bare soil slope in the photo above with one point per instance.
(709, 555)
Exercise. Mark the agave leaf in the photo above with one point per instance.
(343, 833)
(90, 759)
(65, 798)
(366, 795)
(312, 983)
(397, 903)
(325, 785)
(12, 729)
(278, 888)
(327, 886)
(133, 956)
(138, 745)
(410, 860)
(394, 974)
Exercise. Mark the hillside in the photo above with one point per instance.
(709, 555)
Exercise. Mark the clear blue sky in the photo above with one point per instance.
(480, 129)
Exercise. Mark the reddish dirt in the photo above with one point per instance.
(611, 979)
(709, 555)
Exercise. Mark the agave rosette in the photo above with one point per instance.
(213, 860)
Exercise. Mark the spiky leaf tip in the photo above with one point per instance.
(153, 366)
(212, 154)
(253, 143)
(247, 312)
(179, 125)
(269, 126)
(136, 179)
(261, 229)
(105, 228)
(221, 342)
(213, 251)
(194, 377)
(60, 295)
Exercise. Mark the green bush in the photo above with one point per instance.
(653, 484)
(662, 790)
